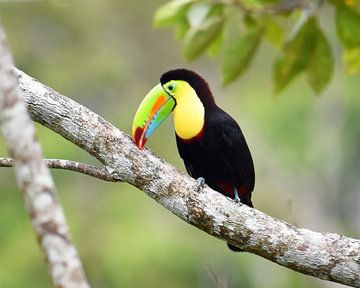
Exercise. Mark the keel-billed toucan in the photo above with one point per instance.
(209, 140)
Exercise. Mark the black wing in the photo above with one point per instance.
(224, 137)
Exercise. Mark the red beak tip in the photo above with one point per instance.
(139, 138)
(140, 144)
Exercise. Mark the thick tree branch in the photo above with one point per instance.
(34, 180)
(324, 255)
(90, 170)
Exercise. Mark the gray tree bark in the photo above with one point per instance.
(34, 180)
(90, 170)
(327, 256)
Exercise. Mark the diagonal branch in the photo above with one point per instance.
(326, 256)
(34, 180)
(90, 170)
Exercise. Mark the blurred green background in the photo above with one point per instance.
(106, 55)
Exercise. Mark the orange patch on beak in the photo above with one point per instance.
(159, 102)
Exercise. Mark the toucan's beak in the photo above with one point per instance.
(154, 109)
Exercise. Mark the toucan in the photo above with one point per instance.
(208, 139)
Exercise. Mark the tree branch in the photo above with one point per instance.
(34, 180)
(326, 256)
(90, 170)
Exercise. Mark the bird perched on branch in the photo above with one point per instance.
(209, 140)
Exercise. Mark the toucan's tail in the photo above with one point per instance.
(234, 248)
(247, 201)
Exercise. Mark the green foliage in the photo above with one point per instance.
(321, 64)
(296, 57)
(239, 54)
(171, 12)
(347, 25)
(291, 28)
(274, 33)
(200, 37)
(351, 58)
(308, 51)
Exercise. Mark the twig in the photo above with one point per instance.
(90, 170)
(35, 182)
(306, 13)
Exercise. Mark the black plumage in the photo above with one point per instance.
(219, 153)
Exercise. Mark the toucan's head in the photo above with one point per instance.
(182, 91)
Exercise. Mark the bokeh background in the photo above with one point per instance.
(106, 55)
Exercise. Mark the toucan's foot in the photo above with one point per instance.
(201, 183)
(236, 196)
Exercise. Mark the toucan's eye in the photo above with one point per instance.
(171, 88)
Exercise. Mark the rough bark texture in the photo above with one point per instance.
(327, 256)
(90, 170)
(35, 181)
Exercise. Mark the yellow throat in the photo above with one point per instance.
(189, 112)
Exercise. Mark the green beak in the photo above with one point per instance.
(153, 110)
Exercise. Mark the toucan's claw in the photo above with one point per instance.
(236, 195)
(201, 183)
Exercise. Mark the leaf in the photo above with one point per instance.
(216, 10)
(348, 26)
(215, 46)
(274, 33)
(257, 3)
(199, 38)
(249, 21)
(296, 56)
(351, 58)
(198, 13)
(171, 12)
(239, 54)
(201, 11)
(321, 65)
(182, 27)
